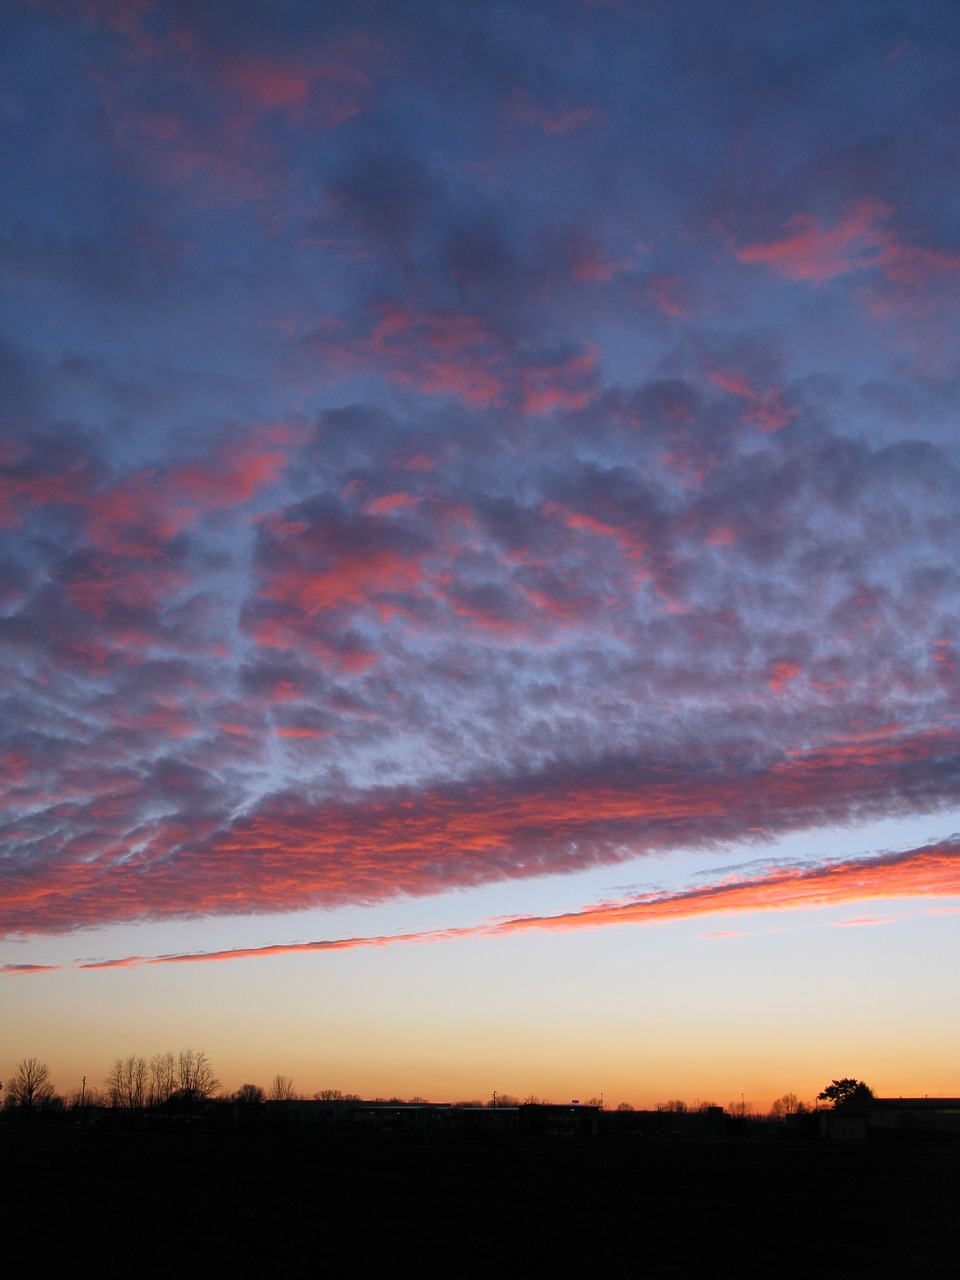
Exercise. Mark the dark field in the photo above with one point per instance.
(191, 1203)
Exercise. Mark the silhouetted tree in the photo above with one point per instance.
(786, 1105)
(163, 1078)
(127, 1082)
(31, 1086)
(846, 1091)
(188, 1078)
(250, 1095)
(281, 1089)
(195, 1081)
(624, 1106)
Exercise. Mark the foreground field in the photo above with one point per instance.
(300, 1203)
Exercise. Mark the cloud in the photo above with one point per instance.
(931, 871)
(763, 408)
(15, 970)
(552, 123)
(907, 280)
(444, 444)
(288, 852)
(816, 253)
(481, 679)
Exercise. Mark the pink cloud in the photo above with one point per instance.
(391, 502)
(567, 384)
(15, 970)
(669, 293)
(439, 353)
(722, 536)
(859, 922)
(916, 265)
(931, 871)
(764, 409)
(328, 87)
(289, 852)
(554, 124)
(633, 545)
(590, 263)
(101, 584)
(911, 280)
(353, 575)
(416, 462)
(783, 673)
(817, 253)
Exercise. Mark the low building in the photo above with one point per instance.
(880, 1118)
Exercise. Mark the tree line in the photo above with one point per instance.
(187, 1079)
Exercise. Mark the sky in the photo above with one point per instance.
(479, 543)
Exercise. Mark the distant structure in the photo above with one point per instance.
(880, 1118)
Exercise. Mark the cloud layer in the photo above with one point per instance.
(932, 871)
(445, 447)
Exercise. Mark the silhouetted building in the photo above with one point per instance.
(556, 1120)
(879, 1118)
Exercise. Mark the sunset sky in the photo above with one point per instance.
(480, 544)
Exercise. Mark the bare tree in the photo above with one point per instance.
(163, 1077)
(281, 1089)
(788, 1104)
(114, 1083)
(195, 1081)
(127, 1082)
(31, 1085)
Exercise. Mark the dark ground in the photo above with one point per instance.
(193, 1203)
